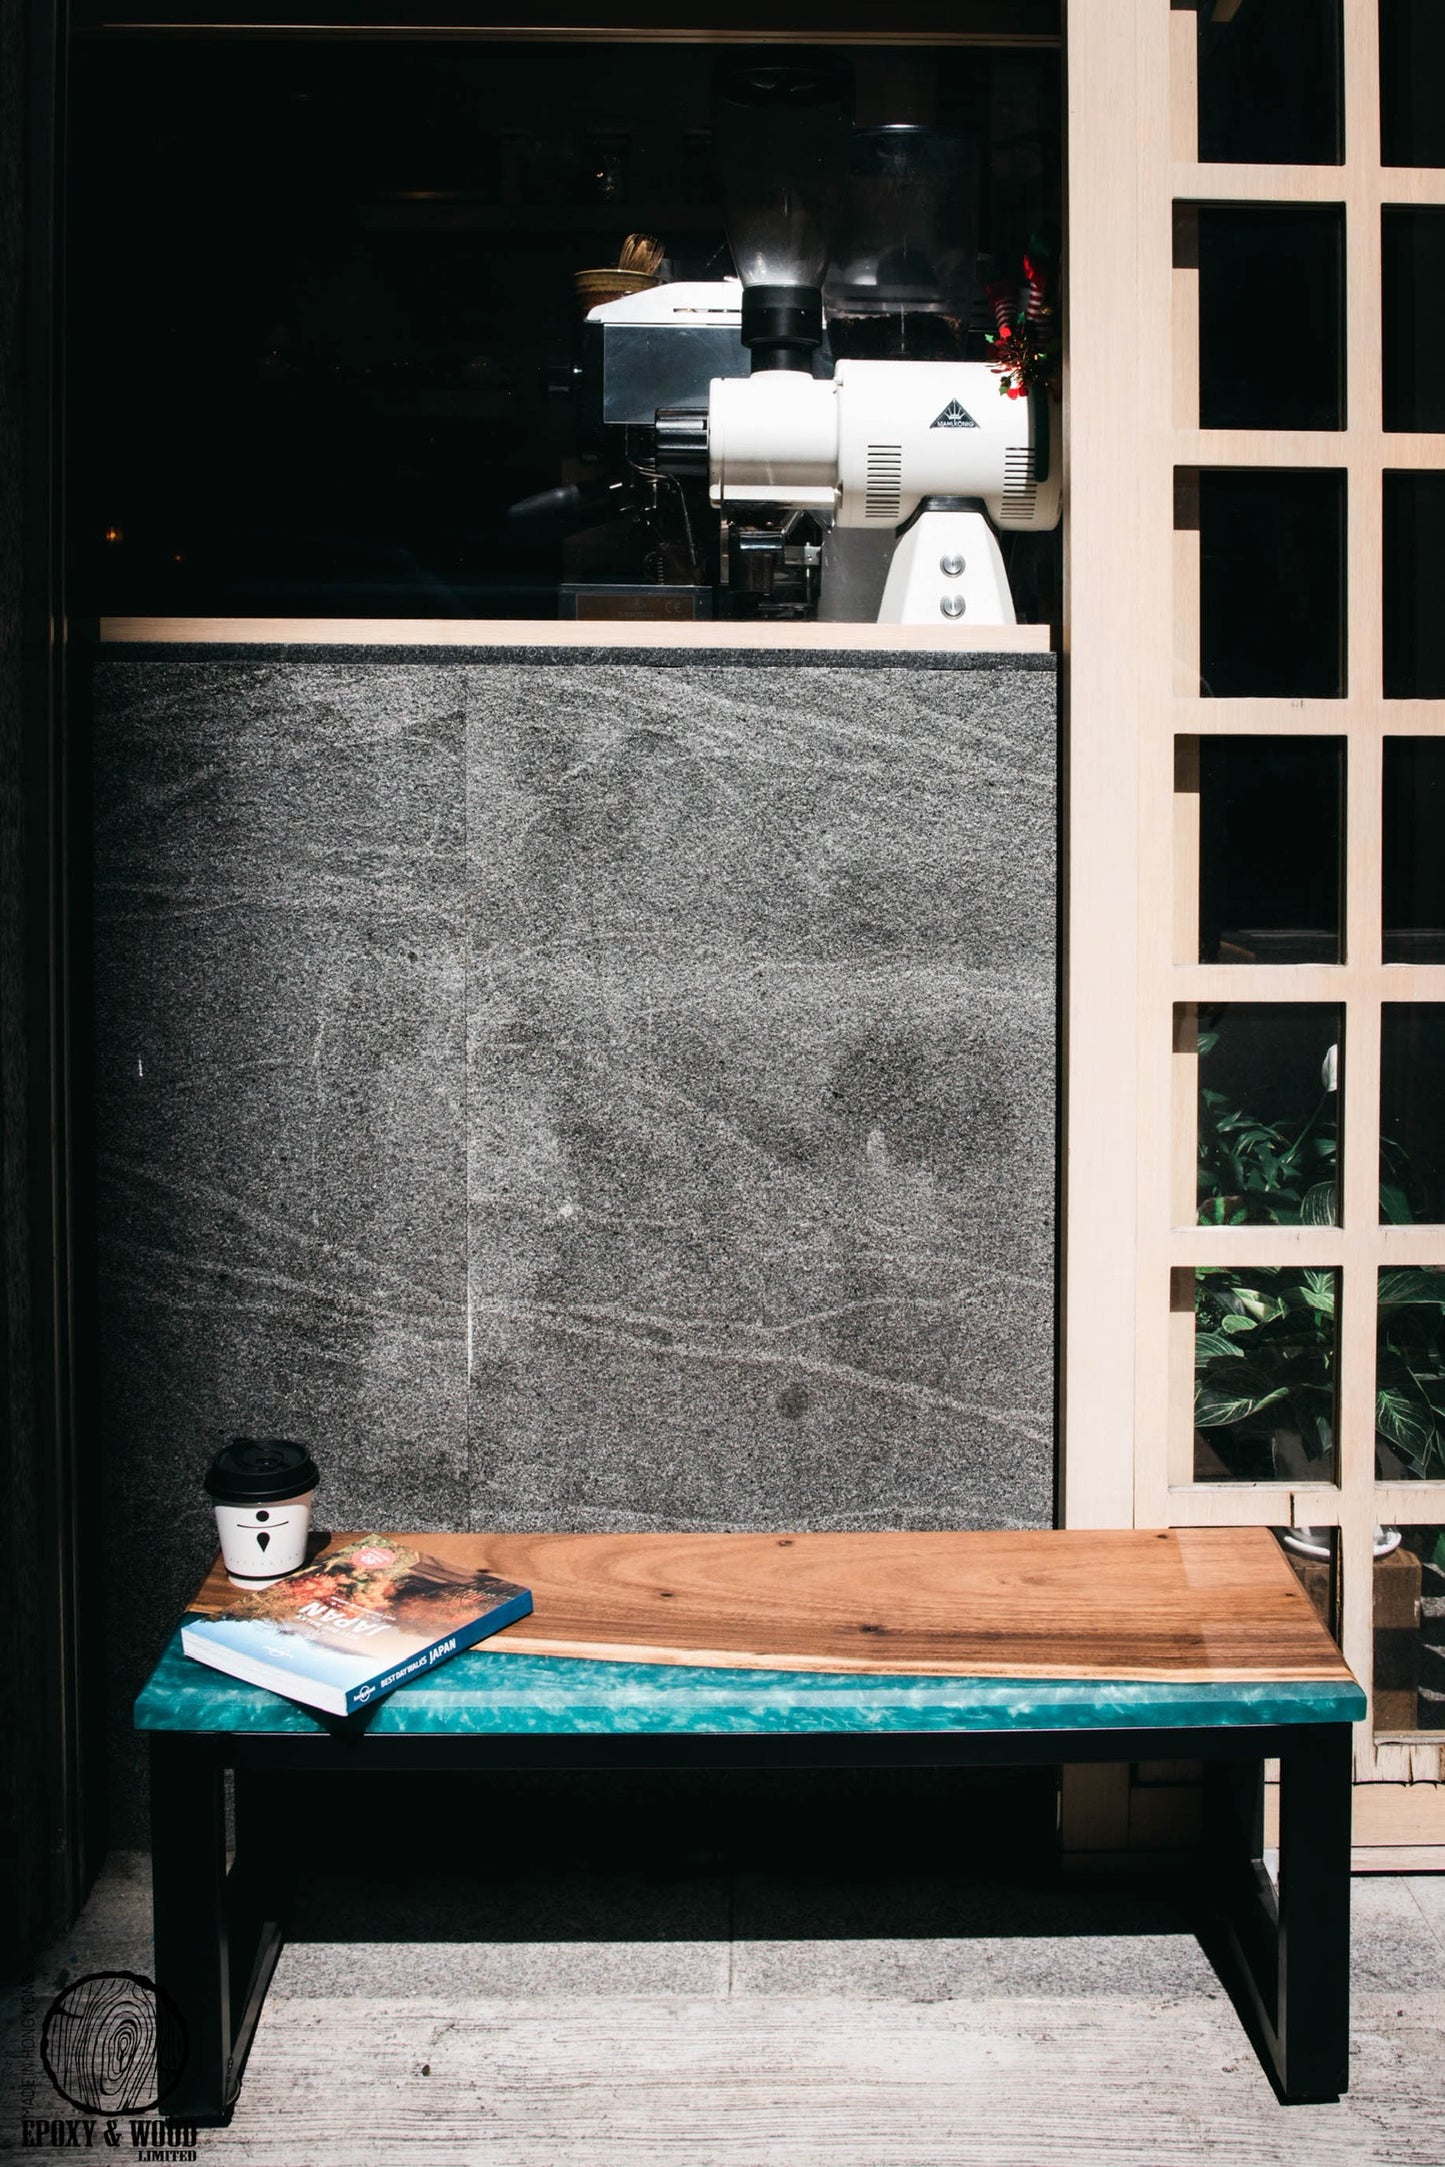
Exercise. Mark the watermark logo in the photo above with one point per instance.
(112, 2043)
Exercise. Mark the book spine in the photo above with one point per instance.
(517, 1606)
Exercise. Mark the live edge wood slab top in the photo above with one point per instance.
(1179, 1606)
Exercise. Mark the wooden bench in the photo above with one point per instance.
(901, 1650)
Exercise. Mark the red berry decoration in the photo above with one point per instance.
(1024, 332)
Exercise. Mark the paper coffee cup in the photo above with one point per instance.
(261, 1488)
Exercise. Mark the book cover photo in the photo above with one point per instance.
(360, 1618)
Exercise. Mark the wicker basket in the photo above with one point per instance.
(609, 284)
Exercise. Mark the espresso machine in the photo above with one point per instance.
(811, 430)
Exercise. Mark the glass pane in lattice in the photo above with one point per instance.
(1414, 574)
(1410, 1375)
(1412, 325)
(1412, 69)
(1414, 862)
(1272, 583)
(1409, 1687)
(1265, 1341)
(1252, 260)
(1268, 1113)
(1269, 83)
(1412, 1113)
(1314, 1554)
(1271, 837)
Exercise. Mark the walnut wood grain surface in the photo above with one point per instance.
(1188, 1604)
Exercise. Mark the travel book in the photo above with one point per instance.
(360, 1618)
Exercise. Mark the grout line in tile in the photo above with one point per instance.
(1436, 1931)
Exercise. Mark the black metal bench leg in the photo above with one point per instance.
(1290, 1952)
(1313, 2020)
(192, 1955)
(258, 1899)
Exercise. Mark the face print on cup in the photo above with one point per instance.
(261, 1543)
(263, 1533)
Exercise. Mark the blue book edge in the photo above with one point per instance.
(516, 1606)
(371, 1690)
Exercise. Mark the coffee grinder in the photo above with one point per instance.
(818, 407)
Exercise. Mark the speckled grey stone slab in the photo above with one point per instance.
(281, 1207)
(761, 992)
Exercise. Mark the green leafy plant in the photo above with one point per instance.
(1265, 1339)
(1410, 1369)
(1251, 1170)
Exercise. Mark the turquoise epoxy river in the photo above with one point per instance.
(537, 1694)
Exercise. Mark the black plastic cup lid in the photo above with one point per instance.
(260, 1471)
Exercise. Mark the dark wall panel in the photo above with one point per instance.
(761, 994)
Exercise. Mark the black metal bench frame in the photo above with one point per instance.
(1285, 1957)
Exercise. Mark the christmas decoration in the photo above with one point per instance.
(1025, 333)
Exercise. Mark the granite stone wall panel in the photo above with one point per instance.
(761, 1002)
(281, 1172)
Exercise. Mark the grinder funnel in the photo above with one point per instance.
(781, 131)
(905, 259)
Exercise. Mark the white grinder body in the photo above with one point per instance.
(930, 447)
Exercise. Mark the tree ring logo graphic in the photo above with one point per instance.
(113, 2043)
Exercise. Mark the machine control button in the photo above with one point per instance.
(952, 605)
(951, 565)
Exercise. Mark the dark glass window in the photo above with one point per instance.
(1409, 1366)
(1314, 1555)
(1409, 1682)
(1395, 1686)
(328, 351)
(1271, 583)
(1268, 1113)
(1412, 332)
(1269, 84)
(1414, 861)
(1412, 1112)
(1412, 70)
(1264, 1374)
(1414, 577)
(1247, 258)
(1271, 846)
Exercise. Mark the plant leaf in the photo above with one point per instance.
(1214, 1409)
(1412, 1287)
(1210, 1346)
(1320, 1204)
(1407, 1429)
(1319, 1291)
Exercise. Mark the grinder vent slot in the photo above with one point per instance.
(1019, 485)
(883, 482)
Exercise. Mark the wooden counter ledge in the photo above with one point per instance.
(492, 632)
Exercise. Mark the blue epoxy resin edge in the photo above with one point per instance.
(502, 1695)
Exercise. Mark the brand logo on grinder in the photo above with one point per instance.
(954, 416)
